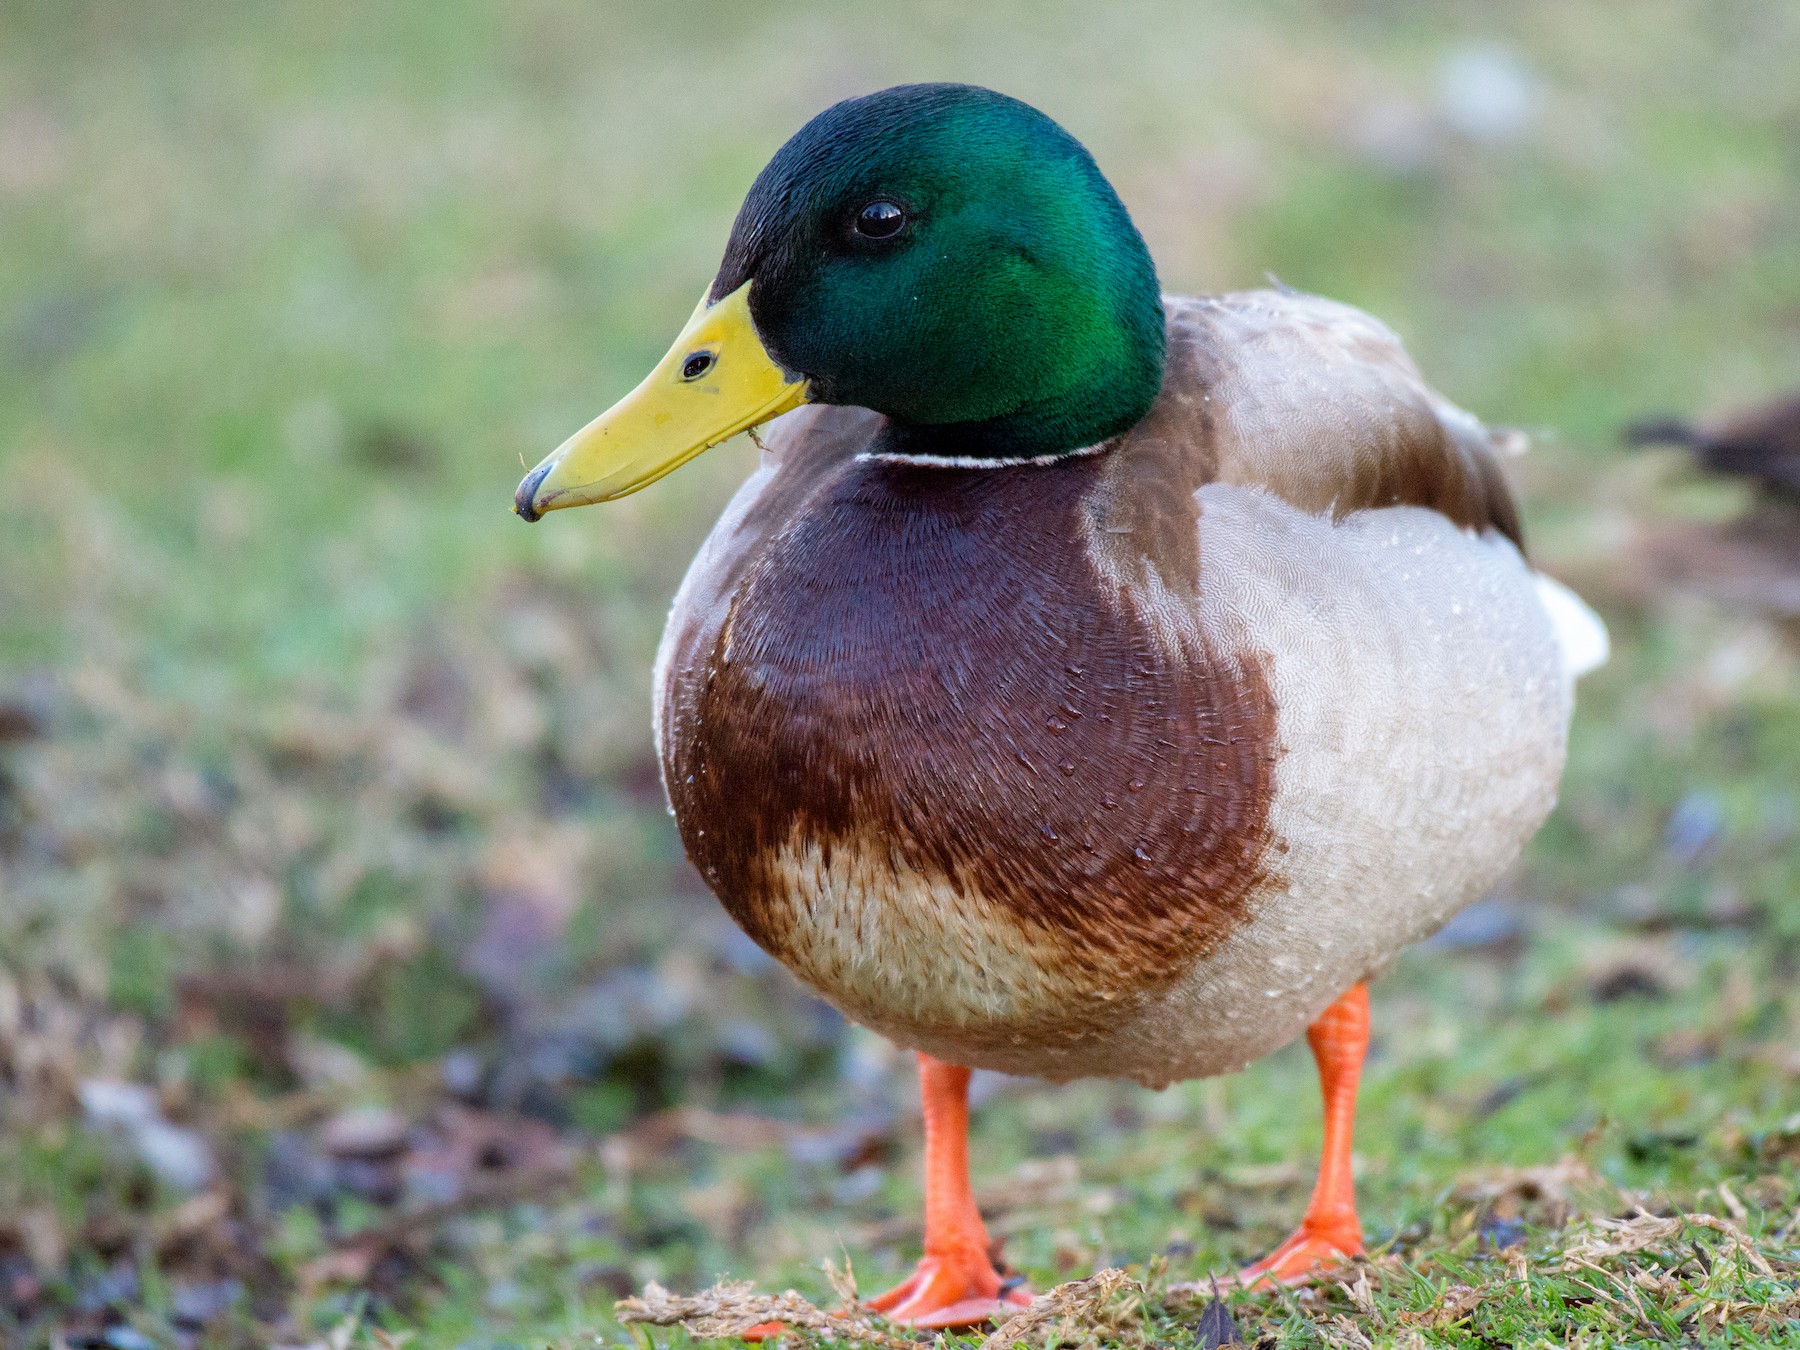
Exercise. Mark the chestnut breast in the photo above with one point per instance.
(928, 667)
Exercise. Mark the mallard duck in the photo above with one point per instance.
(1088, 681)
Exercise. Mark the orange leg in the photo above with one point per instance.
(1329, 1233)
(955, 1284)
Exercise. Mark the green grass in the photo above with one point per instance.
(288, 292)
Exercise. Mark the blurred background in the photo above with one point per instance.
(350, 974)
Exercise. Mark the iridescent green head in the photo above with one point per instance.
(954, 259)
(943, 254)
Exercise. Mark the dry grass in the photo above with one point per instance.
(1643, 1276)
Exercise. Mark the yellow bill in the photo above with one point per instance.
(716, 381)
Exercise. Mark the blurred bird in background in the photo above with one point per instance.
(1749, 561)
(1761, 444)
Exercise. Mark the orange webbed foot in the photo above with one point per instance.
(1313, 1249)
(956, 1284)
(942, 1292)
(952, 1291)
(1330, 1234)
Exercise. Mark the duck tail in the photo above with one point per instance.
(1662, 431)
(1580, 633)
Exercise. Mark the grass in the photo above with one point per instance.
(327, 782)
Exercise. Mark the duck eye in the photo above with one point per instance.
(880, 220)
(697, 365)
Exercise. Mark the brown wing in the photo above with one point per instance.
(1319, 404)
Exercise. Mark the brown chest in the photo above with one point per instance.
(921, 716)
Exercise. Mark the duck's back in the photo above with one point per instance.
(1130, 762)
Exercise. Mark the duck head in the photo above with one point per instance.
(942, 254)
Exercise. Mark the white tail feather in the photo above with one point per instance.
(1579, 631)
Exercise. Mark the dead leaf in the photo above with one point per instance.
(1361, 1293)
(842, 1281)
(1216, 1326)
